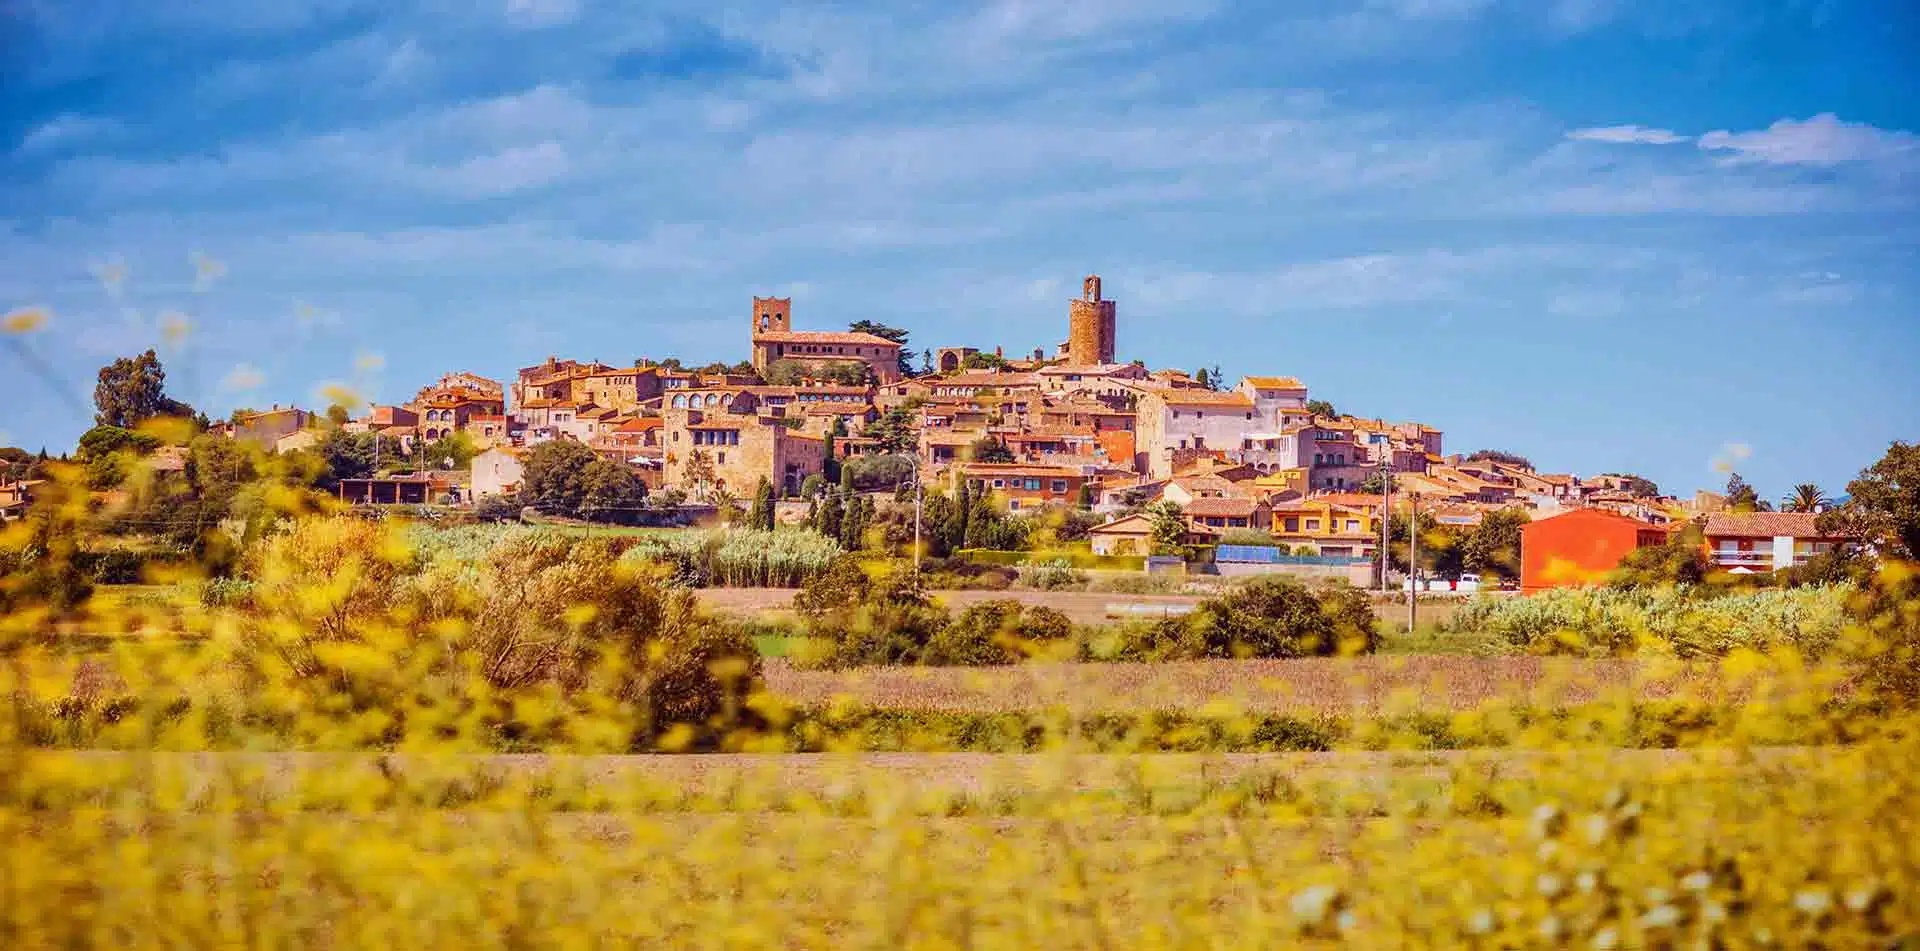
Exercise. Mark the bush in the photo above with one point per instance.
(1277, 616)
(498, 508)
(995, 632)
(227, 593)
(1056, 575)
(1682, 621)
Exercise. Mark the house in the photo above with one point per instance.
(264, 429)
(1026, 486)
(296, 441)
(1227, 513)
(15, 497)
(1332, 525)
(1580, 546)
(1127, 535)
(731, 447)
(418, 488)
(1174, 424)
(1752, 542)
(774, 339)
(497, 471)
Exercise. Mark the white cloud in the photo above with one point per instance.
(507, 171)
(1627, 135)
(533, 14)
(1821, 140)
(67, 131)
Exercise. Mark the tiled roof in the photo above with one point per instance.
(1235, 507)
(825, 336)
(1228, 400)
(1763, 525)
(1276, 383)
(987, 379)
(1015, 469)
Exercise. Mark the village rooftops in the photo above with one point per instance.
(823, 336)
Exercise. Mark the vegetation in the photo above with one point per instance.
(895, 334)
(1806, 497)
(988, 449)
(132, 390)
(788, 372)
(1677, 621)
(1501, 456)
(1883, 504)
(1322, 408)
(737, 557)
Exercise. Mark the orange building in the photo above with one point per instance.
(1580, 547)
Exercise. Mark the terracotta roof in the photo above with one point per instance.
(1015, 469)
(1239, 507)
(642, 424)
(1763, 525)
(825, 336)
(1205, 398)
(1276, 383)
(1089, 369)
(987, 379)
(1126, 525)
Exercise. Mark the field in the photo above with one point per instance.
(1083, 607)
(329, 764)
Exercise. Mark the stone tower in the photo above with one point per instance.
(772, 315)
(1090, 330)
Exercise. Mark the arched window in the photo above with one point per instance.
(680, 401)
(713, 399)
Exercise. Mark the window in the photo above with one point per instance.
(1013, 504)
(680, 401)
(1059, 486)
(1353, 525)
(1033, 485)
(999, 483)
(1317, 459)
(1313, 525)
(720, 458)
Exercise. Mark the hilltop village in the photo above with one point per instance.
(1076, 427)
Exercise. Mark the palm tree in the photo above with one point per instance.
(1806, 497)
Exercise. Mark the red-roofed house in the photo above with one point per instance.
(1580, 546)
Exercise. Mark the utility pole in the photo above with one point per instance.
(919, 497)
(1413, 560)
(1386, 517)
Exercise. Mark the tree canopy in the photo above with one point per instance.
(1321, 408)
(1502, 456)
(1883, 504)
(554, 479)
(132, 390)
(988, 449)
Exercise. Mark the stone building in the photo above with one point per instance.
(1090, 327)
(775, 339)
(732, 447)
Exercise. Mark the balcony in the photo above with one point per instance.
(1749, 559)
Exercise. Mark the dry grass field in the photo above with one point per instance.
(1082, 607)
(1309, 685)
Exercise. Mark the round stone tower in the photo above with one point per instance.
(1090, 327)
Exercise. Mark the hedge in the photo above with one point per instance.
(1076, 557)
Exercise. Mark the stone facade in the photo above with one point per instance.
(740, 449)
(774, 339)
(1090, 326)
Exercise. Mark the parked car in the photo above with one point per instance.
(1466, 584)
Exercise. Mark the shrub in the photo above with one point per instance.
(1277, 616)
(1056, 575)
(1683, 621)
(498, 508)
(1002, 631)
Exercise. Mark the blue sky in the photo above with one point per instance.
(1607, 234)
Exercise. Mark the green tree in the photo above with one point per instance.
(1169, 528)
(132, 390)
(893, 432)
(1493, 546)
(1741, 497)
(1637, 486)
(1806, 497)
(609, 488)
(1321, 408)
(761, 515)
(1204, 379)
(554, 479)
(1681, 561)
(984, 361)
(831, 513)
(1502, 456)
(988, 449)
(1883, 504)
